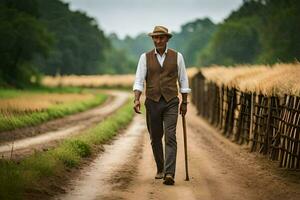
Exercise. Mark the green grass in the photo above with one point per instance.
(13, 93)
(16, 177)
(53, 112)
(116, 87)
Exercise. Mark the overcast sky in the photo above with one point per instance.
(131, 17)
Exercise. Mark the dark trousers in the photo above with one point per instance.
(162, 119)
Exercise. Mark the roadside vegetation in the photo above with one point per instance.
(17, 177)
(20, 108)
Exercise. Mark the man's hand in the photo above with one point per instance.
(137, 106)
(183, 108)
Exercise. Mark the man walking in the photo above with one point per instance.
(162, 68)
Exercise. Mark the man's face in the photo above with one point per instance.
(160, 41)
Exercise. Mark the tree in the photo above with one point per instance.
(22, 37)
(260, 31)
(193, 38)
(280, 32)
(80, 44)
(235, 42)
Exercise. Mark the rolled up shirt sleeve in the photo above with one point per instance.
(182, 75)
(140, 74)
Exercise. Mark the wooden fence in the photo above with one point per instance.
(267, 124)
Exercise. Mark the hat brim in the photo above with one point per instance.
(156, 34)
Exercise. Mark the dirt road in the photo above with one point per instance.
(219, 170)
(43, 136)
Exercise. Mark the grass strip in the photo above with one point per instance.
(53, 112)
(13, 93)
(15, 178)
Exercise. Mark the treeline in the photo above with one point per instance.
(259, 32)
(46, 37)
(22, 36)
(79, 44)
(190, 41)
(193, 39)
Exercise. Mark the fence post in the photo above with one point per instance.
(267, 128)
(251, 120)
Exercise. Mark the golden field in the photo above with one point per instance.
(38, 102)
(90, 81)
(278, 79)
(125, 81)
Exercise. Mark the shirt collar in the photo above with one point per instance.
(166, 51)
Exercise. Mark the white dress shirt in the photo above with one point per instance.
(141, 72)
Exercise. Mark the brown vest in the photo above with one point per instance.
(161, 81)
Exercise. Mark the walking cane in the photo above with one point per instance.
(185, 149)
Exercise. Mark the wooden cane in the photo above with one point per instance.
(185, 149)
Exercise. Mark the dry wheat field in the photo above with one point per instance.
(278, 79)
(38, 102)
(114, 81)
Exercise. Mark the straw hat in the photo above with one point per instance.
(160, 30)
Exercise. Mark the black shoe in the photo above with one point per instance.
(169, 180)
(159, 175)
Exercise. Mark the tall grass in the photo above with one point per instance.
(15, 178)
(104, 81)
(279, 79)
(13, 121)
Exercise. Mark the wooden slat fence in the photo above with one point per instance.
(267, 124)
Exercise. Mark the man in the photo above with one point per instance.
(161, 68)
